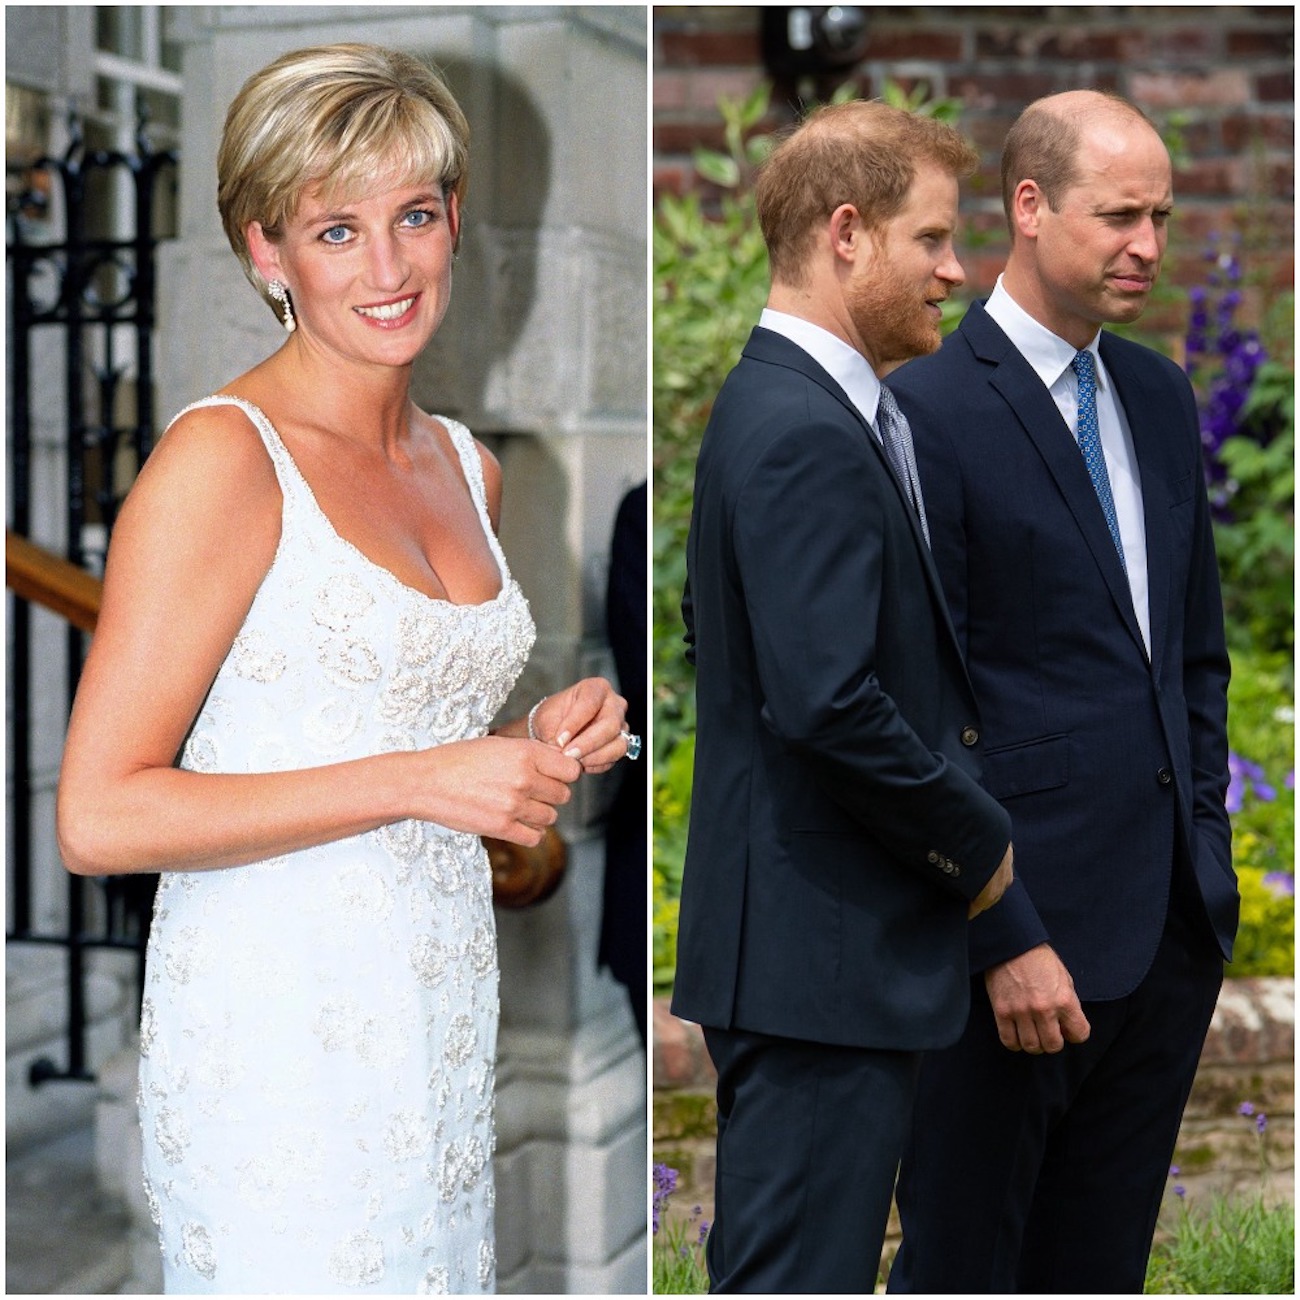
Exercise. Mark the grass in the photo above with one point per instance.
(1236, 1246)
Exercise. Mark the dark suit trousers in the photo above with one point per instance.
(809, 1138)
(1044, 1174)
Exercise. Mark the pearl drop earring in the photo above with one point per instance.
(280, 292)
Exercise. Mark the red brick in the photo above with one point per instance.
(680, 1057)
(914, 43)
(1002, 89)
(988, 131)
(1246, 131)
(1211, 176)
(669, 89)
(708, 87)
(1194, 223)
(671, 178)
(1035, 42)
(1277, 42)
(984, 223)
(1194, 45)
(1275, 88)
(1281, 179)
(1227, 86)
(698, 48)
(1200, 138)
(982, 271)
(1283, 273)
(683, 137)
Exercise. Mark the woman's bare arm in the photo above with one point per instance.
(190, 548)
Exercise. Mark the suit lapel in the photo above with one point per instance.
(1145, 415)
(775, 349)
(1034, 410)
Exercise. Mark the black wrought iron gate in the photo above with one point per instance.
(94, 299)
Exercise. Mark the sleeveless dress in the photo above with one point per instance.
(318, 1031)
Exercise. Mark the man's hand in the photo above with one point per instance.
(996, 887)
(1035, 1004)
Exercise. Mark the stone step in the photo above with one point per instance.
(64, 1235)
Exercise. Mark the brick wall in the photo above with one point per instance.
(1218, 79)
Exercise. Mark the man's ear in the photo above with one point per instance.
(846, 233)
(1027, 206)
(264, 252)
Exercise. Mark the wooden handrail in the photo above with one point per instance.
(520, 876)
(47, 579)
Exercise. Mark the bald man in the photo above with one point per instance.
(1061, 469)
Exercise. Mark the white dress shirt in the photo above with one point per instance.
(1050, 356)
(846, 365)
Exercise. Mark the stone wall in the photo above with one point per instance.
(1217, 80)
(1249, 1056)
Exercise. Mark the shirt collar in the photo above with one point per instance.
(1048, 354)
(847, 366)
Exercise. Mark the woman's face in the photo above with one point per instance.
(370, 278)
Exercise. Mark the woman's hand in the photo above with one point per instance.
(500, 786)
(588, 721)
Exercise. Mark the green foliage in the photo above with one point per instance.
(710, 283)
(1266, 938)
(1236, 1247)
(672, 801)
(677, 1259)
(1257, 548)
(1261, 726)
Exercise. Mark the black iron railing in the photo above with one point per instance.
(94, 299)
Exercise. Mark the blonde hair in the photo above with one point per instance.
(864, 153)
(341, 116)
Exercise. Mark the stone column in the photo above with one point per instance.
(543, 355)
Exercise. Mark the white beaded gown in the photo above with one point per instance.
(318, 1033)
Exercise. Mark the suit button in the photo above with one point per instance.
(969, 736)
(1164, 776)
(956, 870)
(933, 858)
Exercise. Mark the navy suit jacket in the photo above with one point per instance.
(1110, 763)
(837, 828)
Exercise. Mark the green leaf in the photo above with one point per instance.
(717, 168)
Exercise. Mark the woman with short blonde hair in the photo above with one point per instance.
(305, 601)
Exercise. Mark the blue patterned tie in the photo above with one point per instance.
(896, 438)
(1090, 445)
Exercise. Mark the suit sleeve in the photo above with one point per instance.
(810, 540)
(1205, 682)
(1014, 925)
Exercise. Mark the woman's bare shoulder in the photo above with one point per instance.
(209, 485)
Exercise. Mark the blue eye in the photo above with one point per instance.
(336, 235)
(418, 217)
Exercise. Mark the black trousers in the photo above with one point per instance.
(1045, 1174)
(809, 1138)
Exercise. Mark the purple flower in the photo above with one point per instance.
(664, 1184)
(1180, 1191)
(1246, 778)
(1246, 1108)
(1223, 360)
(1281, 883)
(1261, 1122)
(704, 1232)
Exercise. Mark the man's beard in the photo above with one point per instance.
(890, 317)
